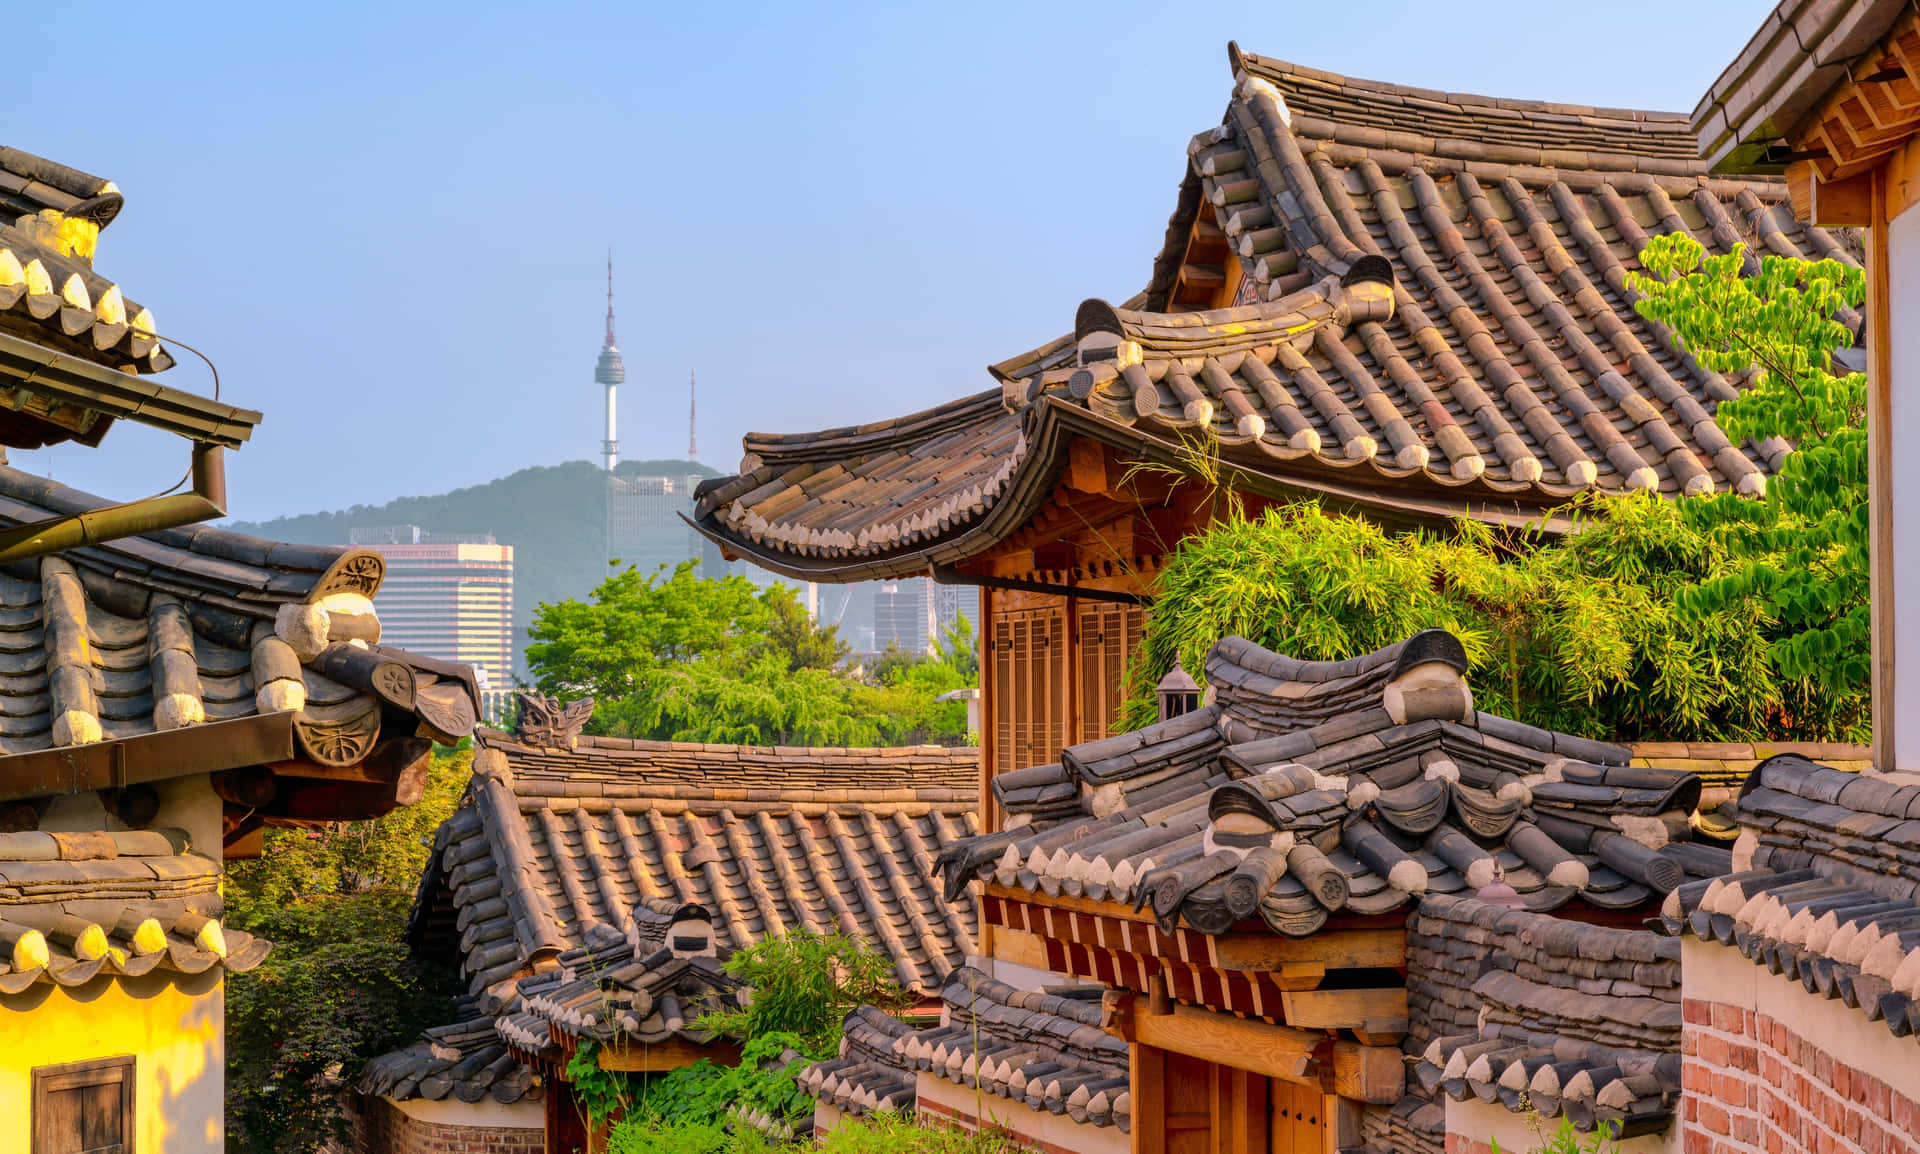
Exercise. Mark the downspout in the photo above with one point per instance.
(207, 501)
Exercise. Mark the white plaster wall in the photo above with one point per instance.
(1479, 1121)
(1903, 259)
(524, 1114)
(1712, 972)
(1055, 1129)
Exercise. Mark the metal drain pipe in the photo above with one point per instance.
(207, 501)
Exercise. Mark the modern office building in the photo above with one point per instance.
(904, 615)
(645, 528)
(448, 596)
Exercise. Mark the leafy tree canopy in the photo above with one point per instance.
(1799, 556)
(341, 985)
(1583, 634)
(678, 657)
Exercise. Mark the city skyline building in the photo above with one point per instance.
(448, 596)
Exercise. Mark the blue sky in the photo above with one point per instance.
(387, 227)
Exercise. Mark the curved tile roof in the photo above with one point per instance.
(148, 634)
(50, 218)
(1028, 1046)
(1307, 789)
(1496, 366)
(575, 861)
(1537, 1013)
(74, 906)
(1826, 887)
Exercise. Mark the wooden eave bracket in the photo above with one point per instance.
(1843, 203)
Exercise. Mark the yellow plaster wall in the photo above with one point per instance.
(172, 1027)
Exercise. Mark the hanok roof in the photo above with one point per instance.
(1540, 1013)
(74, 906)
(200, 650)
(1438, 322)
(466, 1059)
(72, 347)
(652, 983)
(1313, 788)
(1828, 889)
(1042, 1049)
(559, 854)
(1775, 99)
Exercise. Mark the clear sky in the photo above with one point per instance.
(386, 223)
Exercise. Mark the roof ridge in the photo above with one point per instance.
(876, 434)
(1284, 71)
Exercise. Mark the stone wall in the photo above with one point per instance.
(1762, 1066)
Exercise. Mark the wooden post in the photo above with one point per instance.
(1070, 733)
(989, 722)
(1880, 581)
(989, 717)
(1147, 1080)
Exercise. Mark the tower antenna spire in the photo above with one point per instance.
(610, 340)
(610, 372)
(693, 446)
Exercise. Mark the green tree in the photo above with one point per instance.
(341, 985)
(677, 657)
(1580, 633)
(1799, 557)
(633, 624)
(959, 648)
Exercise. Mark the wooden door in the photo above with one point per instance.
(1294, 1123)
(1028, 690)
(1189, 1105)
(1109, 635)
(1192, 1099)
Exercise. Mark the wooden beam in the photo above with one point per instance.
(1242, 1043)
(1830, 204)
(1299, 976)
(1381, 1031)
(1332, 948)
(668, 1055)
(1376, 1074)
(1019, 947)
(1343, 1009)
(1339, 1124)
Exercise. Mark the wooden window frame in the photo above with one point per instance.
(73, 1076)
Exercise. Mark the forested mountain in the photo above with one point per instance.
(555, 517)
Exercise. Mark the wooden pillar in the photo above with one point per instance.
(1893, 419)
(1880, 530)
(1070, 733)
(989, 716)
(1147, 1081)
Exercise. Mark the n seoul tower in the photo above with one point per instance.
(611, 372)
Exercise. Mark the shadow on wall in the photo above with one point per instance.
(173, 1026)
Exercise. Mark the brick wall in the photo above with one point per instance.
(1767, 1066)
(380, 1127)
(1752, 1082)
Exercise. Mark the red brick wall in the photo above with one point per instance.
(1752, 1083)
(380, 1127)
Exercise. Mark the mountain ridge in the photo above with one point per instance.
(554, 516)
